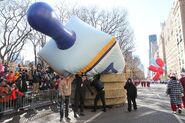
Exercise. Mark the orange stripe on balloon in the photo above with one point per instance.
(99, 55)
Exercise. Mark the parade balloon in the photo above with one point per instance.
(76, 47)
(153, 68)
(160, 62)
(156, 76)
(157, 69)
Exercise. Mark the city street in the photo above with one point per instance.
(153, 107)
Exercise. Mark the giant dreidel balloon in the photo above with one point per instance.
(76, 47)
(157, 69)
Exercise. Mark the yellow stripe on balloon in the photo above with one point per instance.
(99, 55)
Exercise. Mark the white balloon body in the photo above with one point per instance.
(92, 52)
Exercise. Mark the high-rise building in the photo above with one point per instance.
(152, 46)
(162, 50)
(172, 38)
(152, 50)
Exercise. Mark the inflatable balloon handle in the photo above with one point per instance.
(41, 14)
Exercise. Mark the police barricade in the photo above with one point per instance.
(29, 101)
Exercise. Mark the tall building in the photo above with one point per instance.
(152, 50)
(152, 46)
(172, 38)
(162, 50)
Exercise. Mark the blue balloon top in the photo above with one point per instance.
(41, 17)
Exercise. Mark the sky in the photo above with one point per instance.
(145, 17)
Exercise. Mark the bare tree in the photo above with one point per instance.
(133, 64)
(38, 40)
(113, 22)
(14, 28)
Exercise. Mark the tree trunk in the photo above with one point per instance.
(35, 53)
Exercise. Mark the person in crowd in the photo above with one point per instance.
(30, 74)
(2, 71)
(15, 93)
(51, 76)
(57, 81)
(142, 83)
(175, 90)
(24, 75)
(131, 94)
(81, 83)
(148, 83)
(6, 68)
(19, 68)
(5, 92)
(45, 83)
(182, 80)
(17, 75)
(65, 93)
(22, 87)
(99, 87)
(37, 76)
(10, 78)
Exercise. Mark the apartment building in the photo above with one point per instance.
(172, 38)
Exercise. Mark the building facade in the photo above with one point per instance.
(171, 41)
(152, 50)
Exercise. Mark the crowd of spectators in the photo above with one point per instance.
(17, 82)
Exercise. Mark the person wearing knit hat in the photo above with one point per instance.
(175, 90)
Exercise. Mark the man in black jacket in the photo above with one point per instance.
(99, 87)
(131, 94)
(81, 83)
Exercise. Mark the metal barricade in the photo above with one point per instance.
(30, 100)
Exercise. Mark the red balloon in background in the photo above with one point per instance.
(160, 62)
(153, 68)
(156, 76)
(158, 70)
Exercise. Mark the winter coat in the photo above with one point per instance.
(10, 77)
(176, 91)
(37, 76)
(131, 90)
(21, 85)
(5, 93)
(15, 92)
(98, 85)
(65, 86)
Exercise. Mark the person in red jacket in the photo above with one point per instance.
(4, 95)
(182, 80)
(10, 78)
(15, 92)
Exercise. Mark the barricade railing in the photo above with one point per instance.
(30, 100)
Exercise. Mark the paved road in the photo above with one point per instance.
(153, 107)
